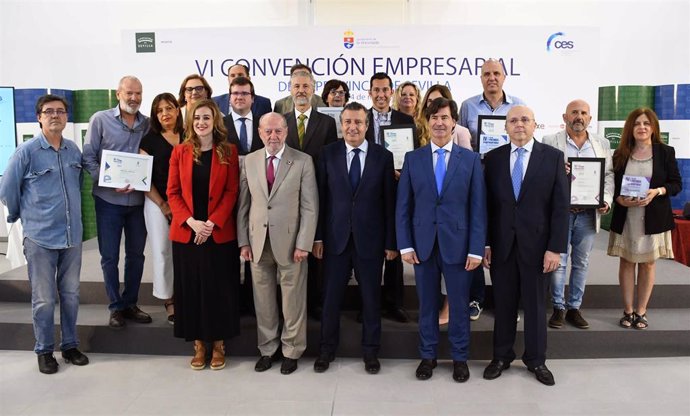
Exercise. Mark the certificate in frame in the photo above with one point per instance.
(333, 112)
(586, 182)
(119, 169)
(398, 139)
(491, 133)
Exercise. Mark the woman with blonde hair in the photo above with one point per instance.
(407, 99)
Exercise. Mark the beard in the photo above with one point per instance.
(129, 109)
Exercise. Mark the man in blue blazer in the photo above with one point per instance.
(356, 230)
(261, 105)
(528, 204)
(441, 228)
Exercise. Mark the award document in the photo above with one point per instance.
(491, 132)
(398, 139)
(119, 169)
(335, 113)
(635, 186)
(586, 182)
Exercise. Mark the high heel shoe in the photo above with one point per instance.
(199, 360)
(218, 356)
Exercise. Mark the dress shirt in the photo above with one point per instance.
(473, 107)
(380, 119)
(276, 161)
(306, 120)
(349, 154)
(571, 149)
(41, 186)
(107, 131)
(525, 157)
(249, 123)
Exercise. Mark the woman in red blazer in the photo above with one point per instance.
(202, 191)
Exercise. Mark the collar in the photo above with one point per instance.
(506, 99)
(45, 144)
(448, 147)
(528, 146)
(363, 147)
(278, 155)
(118, 114)
(377, 113)
(236, 116)
(306, 113)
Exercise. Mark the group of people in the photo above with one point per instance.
(234, 180)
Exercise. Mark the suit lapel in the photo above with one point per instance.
(312, 126)
(371, 158)
(340, 165)
(283, 168)
(532, 167)
(260, 171)
(428, 166)
(292, 138)
(453, 164)
(214, 186)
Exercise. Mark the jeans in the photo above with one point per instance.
(111, 219)
(581, 235)
(53, 273)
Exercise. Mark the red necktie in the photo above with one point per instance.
(270, 173)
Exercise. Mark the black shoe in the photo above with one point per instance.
(289, 366)
(323, 362)
(574, 317)
(543, 374)
(399, 314)
(75, 357)
(495, 368)
(117, 320)
(133, 313)
(266, 361)
(425, 369)
(47, 364)
(372, 365)
(557, 318)
(460, 371)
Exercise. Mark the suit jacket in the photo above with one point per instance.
(538, 220)
(658, 216)
(602, 148)
(285, 104)
(396, 118)
(456, 218)
(368, 214)
(288, 214)
(261, 106)
(234, 137)
(222, 194)
(321, 131)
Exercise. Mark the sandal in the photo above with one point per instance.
(627, 320)
(171, 316)
(640, 321)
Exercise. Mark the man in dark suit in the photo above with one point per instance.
(356, 230)
(260, 106)
(309, 131)
(381, 114)
(528, 201)
(441, 228)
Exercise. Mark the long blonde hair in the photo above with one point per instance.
(220, 134)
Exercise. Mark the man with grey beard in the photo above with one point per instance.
(119, 129)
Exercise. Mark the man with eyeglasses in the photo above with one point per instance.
(527, 201)
(119, 129)
(381, 114)
(492, 101)
(259, 107)
(41, 187)
(286, 104)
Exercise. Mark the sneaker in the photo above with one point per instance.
(574, 317)
(475, 310)
(557, 319)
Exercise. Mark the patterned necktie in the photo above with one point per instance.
(270, 173)
(440, 170)
(355, 170)
(300, 130)
(381, 120)
(517, 172)
(244, 141)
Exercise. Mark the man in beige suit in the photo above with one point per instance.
(276, 223)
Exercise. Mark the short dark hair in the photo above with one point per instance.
(440, 103)
(355, 106)
(246, 68)
(243, 81)
(333, 84)
(49, 98)
(381, 75)
(299, 67)
(154, 123)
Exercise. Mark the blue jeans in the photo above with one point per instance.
(581, 235)
(111, 219)
(53, 273)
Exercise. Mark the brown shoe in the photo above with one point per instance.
(199, 360)
(574, 317)
(218, 357)
(557, 320)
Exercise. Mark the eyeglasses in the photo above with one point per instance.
(337, 93)
(51, 112)
(240, 93)
(524, 120)
(197, 89)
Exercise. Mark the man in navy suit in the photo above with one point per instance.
(528, 203)
(356, 230)
(441, 228)
(260, 106)
(241, 123)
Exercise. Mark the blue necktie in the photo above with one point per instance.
(517, 172)
(244, 141)
(440, 170)
(355, 170)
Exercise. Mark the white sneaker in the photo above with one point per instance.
(475, 310)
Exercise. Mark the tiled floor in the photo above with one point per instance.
(161, 385)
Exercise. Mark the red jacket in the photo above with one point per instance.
(222, 197)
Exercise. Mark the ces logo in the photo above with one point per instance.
(554, 42)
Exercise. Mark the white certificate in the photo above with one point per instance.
(635, 186)
(335, 113)
(586, 182)
(119, 169)
(398, 140)
(491, 133)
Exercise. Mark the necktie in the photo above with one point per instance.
(355, 170)
(517, 172)
(440, 170)
(300, 129)
(381, 120)
(270, 173)
(244, 141)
